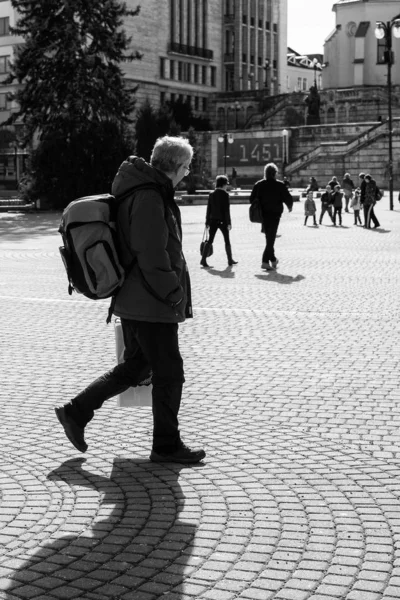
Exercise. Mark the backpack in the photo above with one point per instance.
(90, 252)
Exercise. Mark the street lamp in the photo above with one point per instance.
(225, 138)
(316, 66)
(384, 31)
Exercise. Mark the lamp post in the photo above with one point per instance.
(285, 153)
(316, 66)
(225, 138)
(384, 31)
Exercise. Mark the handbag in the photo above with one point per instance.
(203, 243)
(255, 214)
(140, 395)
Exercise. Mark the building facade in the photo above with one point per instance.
(353, 56)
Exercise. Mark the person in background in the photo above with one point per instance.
(356, 206)
(333, 183)
(326, 204)
(218, 216)
(371, 195)
(309, 208)
(152, 301)
(337, 197)
(347, 187)
(272, 194)
(286, 182)
(313, 185)
(234, 178)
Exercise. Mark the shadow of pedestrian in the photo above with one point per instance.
(279, 278)
(226, 273)
(380, 230)
(131, 542)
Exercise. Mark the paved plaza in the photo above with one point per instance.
(292, 387)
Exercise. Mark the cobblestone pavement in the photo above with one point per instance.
(292, 387)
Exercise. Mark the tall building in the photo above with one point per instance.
(193, 49)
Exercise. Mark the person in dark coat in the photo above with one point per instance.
(218, 216)
(326, 204)
(153, 299)
(313, 185)
(273, 194)
(333, 183)
(369, 196)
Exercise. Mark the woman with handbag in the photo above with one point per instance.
(218, 217)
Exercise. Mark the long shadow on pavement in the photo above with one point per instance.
(279, 278)
(135, 545)
(227, 273)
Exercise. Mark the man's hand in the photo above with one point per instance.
(290, 209)
(229, 227)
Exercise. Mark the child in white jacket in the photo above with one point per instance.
(356, 206)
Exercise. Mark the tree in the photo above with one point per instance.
(73, 94)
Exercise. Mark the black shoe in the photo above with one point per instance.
(74, 433)
(232, 262)
(204, 264)
(183, 455)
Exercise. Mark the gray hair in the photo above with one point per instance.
(270, 171)
(170, 152)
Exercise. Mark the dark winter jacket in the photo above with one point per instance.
(157, 286)
(218, 207)
(273, 194)
(347, 184)
(337, 199)
(326, 199)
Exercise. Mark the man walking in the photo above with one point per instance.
(153, 299)
(272, 194)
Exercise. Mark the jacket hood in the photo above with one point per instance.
(136, 171)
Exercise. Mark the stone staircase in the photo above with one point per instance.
(366, 152)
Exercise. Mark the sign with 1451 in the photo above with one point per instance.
(251, 151)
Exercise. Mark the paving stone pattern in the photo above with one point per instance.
(292, 386)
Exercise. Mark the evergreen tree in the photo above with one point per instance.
(73, 94)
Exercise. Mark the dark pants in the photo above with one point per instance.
(357, 218)
(314, 219)
(215, 224)
(325, 209)
(147, 346)
(270, 227)
(369, 215)
(337, 210)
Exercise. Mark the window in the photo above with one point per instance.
(252, 21)
(252, 59)
(3, 101)
(267, 25)
(381, 49)
(213, 76)
(244, 57)
(260, 23)
(259, 61)
(4, 26)
(162, 98)
(4, 64)
(162, 68)
(204, 100)
(204, 75)
(188, 72)
(299, 84)
(196, 73)
(304, 84)
(179, 70)
(196, 103)
(275, 27)
(172, 69)
(244, 19)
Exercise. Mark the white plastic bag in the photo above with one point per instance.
(140, 395)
